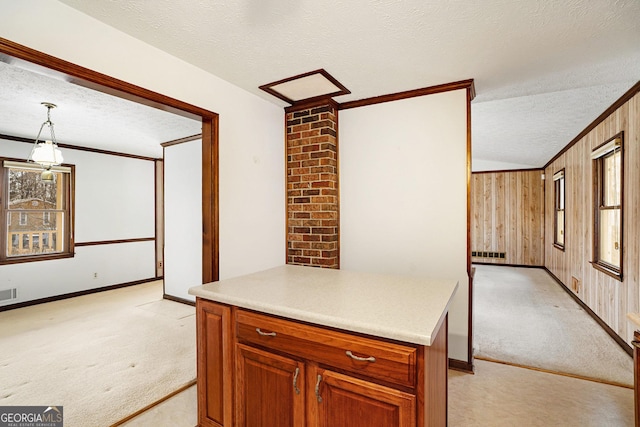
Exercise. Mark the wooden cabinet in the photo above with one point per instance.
(215, 359)
(343, 400)
(288, 373)
(269, 389)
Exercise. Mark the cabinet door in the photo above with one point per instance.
(215, 364)
(269, 389)
(346, 401)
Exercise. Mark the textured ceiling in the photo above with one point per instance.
(543, 69)
(83, 117)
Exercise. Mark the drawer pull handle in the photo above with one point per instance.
(265, 334)
(318, 389)
(360, 359)
(295, 381)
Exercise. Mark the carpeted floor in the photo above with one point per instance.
(102, 356)
(522, 316)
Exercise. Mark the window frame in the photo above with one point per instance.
(559, 179)
(597, 171)
(68, 226)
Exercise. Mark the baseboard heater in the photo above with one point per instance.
(483, 254)
(7, 295)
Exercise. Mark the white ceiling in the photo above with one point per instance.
(543, 69)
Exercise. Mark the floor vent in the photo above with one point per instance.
(7, 295)
(482, 254)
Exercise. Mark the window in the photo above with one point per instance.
(559, 216)
(37, 212)
(608, 189)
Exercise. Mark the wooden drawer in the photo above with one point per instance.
(394, 363)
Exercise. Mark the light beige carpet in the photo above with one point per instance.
(522, 316)
(102, 356)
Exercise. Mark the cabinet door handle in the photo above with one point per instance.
(360, 359)
(318, 388)
(265, 334)
(295, 381)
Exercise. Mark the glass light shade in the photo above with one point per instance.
(47, 154)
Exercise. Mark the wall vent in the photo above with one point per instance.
(7, 295)
(483, 254)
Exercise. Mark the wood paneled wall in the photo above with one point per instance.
(507, 215)
(609, 298)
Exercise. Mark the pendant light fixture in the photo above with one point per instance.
(46, 153)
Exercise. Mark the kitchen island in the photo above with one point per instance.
(301, 346)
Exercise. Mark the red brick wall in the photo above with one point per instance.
(312, 187)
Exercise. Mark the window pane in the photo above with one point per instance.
(560, 227)
(30, 232)
(15, 244)
(561, 185)
(610, 236)
(28, 191)
(611, 175)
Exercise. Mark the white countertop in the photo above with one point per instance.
(395, 307)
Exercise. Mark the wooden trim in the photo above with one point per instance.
(113, 242)
(181, 140)
(559, 247)
(158, 217)
(636, 375)
(269, 87)
(210, 210)
(462, 366)
(103, 83)
(509, 265)
(156, 403)
(311, 103)
(463, 84)
(598, 179)
(78, 147)
(549, 371)
(75, 294)
(68, 181)
(511, 170)
(626, 347)
(556, 203)
(112, 86)
(470, 95)
(178, 299)
(602, 117)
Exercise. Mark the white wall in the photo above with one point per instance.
(403, 194)
(183, 211)
(114, 200)
(252, 209)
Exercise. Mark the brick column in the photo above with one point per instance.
(312, 186)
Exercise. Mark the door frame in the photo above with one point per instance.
(111, 86)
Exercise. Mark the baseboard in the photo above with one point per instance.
(460, 365)
(75, 294)
(507, 265)
(177, 299)
(626, 347)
